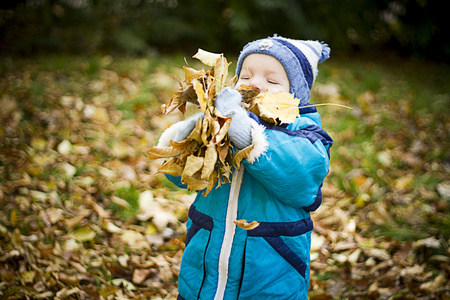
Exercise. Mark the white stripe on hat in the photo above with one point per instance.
(312, 51)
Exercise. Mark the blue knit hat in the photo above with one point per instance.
(299, 59)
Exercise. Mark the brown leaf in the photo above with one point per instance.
(179, 100)
(189, 95)
(174, 103)
(224, 125)
(69, 279)
(210, 87)
(211, 183)
(242, 154)
(247, 226)
(263, 113)
(248, 94)
(162, 152)
(184, 146)
(139, 275)
(223, 150)
(102, 213)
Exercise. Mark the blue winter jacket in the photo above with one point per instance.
(277, 186)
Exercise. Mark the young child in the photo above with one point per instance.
(278, 185)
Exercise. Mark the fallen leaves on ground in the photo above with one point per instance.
(85, 215)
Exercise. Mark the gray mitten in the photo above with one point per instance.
(228, 102)
(186, 127)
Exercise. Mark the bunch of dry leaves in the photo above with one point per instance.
(206, 156)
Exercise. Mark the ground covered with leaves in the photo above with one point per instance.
(84, 215)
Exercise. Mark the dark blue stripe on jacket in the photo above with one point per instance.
(316, 202)
(311, 132)
(274, 229)
(199, 221)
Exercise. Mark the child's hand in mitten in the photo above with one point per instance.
(186, 127)
(228, 102)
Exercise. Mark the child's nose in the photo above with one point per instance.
(257, 84)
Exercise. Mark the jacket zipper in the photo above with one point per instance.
(230, 229)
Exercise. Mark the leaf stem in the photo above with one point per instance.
(332, 104)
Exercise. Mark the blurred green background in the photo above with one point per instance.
(407, 27)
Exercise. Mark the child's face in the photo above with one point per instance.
(263, 72)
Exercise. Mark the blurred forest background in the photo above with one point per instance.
(408, 27)
(85, 215)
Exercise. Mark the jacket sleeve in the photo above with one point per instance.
(295, 162)
(164, 141)
(176, 180)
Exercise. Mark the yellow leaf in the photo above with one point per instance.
(13, 218)
(221, 73)
(28, 277)
(171, 167)
(404, 182)
(198, 87)
(208, 58)
(191, 73)
(247, 226)
(83, 234)
(195, 183)
(206, 127)
(215, 127)
(196, 133)
(209, 162)
(193, 165)
(282, 105)
(263, 113)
